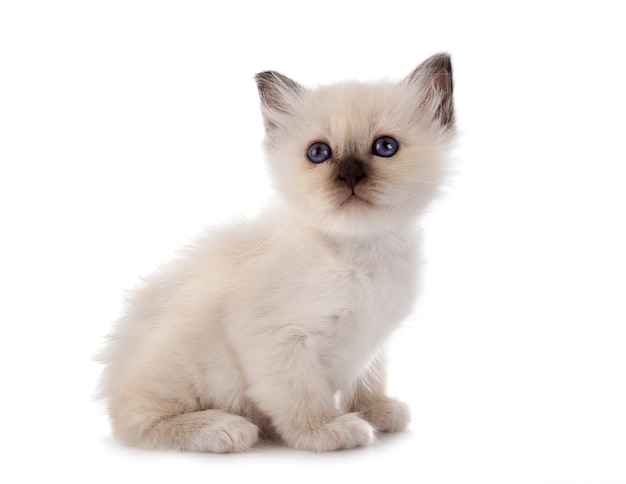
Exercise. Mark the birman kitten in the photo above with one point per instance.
(276, 326)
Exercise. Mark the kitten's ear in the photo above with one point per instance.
(278, 94)
(433, 79)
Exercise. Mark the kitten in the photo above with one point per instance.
(275, 327)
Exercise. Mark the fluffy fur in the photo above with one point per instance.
(276, 326)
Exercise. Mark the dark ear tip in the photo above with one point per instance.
(272, 80)
(442, 60)
(265, 76)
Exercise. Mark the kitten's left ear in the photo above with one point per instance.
(433, 79)
(278, 94)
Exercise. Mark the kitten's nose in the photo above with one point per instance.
(351, 171)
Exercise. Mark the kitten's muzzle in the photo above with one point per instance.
(351, 171)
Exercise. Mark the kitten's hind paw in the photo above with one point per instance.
(344, 432)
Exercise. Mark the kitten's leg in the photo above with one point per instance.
(292, 387)
(305, 417)
(142, 422)
(368, 397)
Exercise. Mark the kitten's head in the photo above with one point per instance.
(359, 158)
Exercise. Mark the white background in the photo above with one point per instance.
(126, 126)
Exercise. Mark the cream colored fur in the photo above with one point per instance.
(276, 326)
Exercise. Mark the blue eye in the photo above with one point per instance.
(385, 146)
(319, 152)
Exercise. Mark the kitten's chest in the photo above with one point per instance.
(346, 304)
(372, 286)
(356, 285)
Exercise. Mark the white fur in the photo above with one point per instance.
(277, 325)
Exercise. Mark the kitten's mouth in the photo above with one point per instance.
(354, 199)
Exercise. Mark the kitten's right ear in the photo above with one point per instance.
(278, 94)
(433, 79)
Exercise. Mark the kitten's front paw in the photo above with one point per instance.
(228, 433)
(389, 415)
(344, 432)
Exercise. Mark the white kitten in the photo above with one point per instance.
(277, 325)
